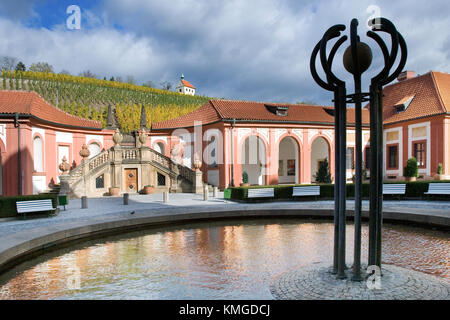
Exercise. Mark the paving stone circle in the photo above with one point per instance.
(316, 282)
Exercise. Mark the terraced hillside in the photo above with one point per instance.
(89, 97)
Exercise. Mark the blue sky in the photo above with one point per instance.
(237, 49)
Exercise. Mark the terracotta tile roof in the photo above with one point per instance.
(31, 103)
(217, 110)
(187, 84)
(431, 93)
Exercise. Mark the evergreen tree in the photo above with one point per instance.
(323, 175)
(20, 66)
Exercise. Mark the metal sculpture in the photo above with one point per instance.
(357, 59)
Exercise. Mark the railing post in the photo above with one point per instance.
(165, 196)
(205, 193)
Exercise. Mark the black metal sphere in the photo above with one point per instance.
(364, 57)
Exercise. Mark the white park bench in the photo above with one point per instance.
(24, 207)
(398, 188)
(311, 191)
(261, 193)
(438, 188)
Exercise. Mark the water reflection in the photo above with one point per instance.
(207, 261)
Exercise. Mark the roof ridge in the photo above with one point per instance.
(441, 101)
(272, 103)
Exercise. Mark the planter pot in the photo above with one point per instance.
(245, 184)
(148, 190)
(411, 179)
(439, 177)
(113, 191)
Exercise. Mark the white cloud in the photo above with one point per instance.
(237, 49)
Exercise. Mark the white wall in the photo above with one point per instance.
(253, 159)
(288, 150)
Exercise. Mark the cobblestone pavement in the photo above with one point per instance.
(316, 282)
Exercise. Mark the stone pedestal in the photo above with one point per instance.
(198, 182)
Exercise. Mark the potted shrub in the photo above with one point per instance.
(411, 170)
(245, 179)
(114, 191)
(439, 175)
(148, 189)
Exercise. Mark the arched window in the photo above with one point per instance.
(37, 155)
(95, 149)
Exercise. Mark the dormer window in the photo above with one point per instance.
(403, 104)
(281, 111)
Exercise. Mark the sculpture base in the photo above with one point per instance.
(316, 282)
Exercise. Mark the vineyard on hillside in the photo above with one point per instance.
(89, 97)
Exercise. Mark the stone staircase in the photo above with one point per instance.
(110, 162)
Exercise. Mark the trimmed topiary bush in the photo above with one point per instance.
(411, 169)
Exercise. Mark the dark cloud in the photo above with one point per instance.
(237, 49)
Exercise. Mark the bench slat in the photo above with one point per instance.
(394, 188)
(438, 188)
(261, 193)
(34, 206)
(306, 191)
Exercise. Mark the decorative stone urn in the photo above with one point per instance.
(197, 164)
(64, 166)
(117, 137)
(143, 137)
(84, 152)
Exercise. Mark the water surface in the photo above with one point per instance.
(220, 260)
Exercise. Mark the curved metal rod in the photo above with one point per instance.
(353, 42)
(333, 32)
(402, 63)
(315, 75)
(386, 26)
(335, 49)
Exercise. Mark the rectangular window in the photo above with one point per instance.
(367, 158)
(350, 158)
(419, 152)
(100, 182)
(392, 154)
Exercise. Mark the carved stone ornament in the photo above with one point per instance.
(84, 152)
(143, 137)
(64, 166)
(117, 137)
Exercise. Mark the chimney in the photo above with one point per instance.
(406, 75)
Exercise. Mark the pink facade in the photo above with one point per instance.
(42, 144)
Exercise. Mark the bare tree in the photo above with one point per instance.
(149, 84)
(8, 63)
(41, 67)
(64, 71)
(87, 74)
(130, 79)
(166, 85)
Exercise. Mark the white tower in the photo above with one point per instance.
(185, 87)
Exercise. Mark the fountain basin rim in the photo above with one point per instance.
(18, 247)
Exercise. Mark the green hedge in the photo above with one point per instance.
(8, 204)
(414, 190)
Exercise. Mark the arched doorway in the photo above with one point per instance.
(288, 161)
(253, 160)
(319, 152)
(95, 149)
(159, 147)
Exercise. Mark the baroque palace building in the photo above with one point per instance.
(274, 143)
